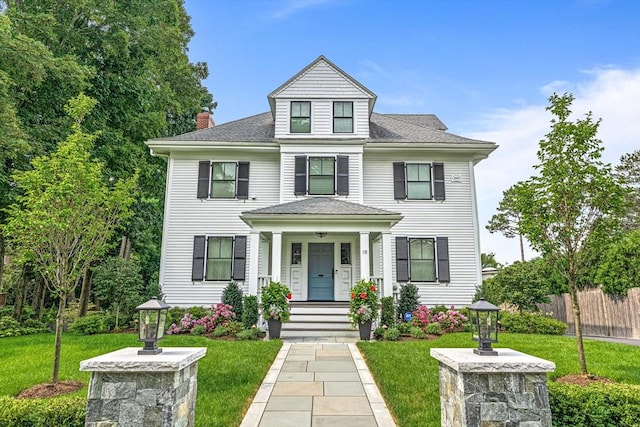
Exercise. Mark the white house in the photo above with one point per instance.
(317, 193)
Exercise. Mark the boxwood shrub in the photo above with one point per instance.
(595, 405)
(62, 411)
(531, 323)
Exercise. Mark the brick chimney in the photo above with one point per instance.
(204, 119)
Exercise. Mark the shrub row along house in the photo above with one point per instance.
(317, 193)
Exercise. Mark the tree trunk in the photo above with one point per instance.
(21, 293)
(521, 248)
(37, 302)
(573, 289)
(2, 250)
(59, 326)
(125, 248)
(85, 292)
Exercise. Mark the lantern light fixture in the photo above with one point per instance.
(484, 326)
(152, 319)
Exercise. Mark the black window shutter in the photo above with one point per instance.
(204, 168)
(242, 189)
(239, 257)
(442, 248)
(300, 188)
(402, 259)
(343, 175)
(438, 181)
(399, 190)
(197, 268)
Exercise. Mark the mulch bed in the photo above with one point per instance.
(583, 380)
(50, 389)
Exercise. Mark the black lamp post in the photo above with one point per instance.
(484, 326)
(152, 316)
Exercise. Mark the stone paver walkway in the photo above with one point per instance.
(318, 384)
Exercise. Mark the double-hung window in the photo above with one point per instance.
(321, 175)
(223, 180)
(422, 259)
(300, 117)
(219, 258)
(342, 117)
(418, 181)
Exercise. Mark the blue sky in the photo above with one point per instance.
(486, 68)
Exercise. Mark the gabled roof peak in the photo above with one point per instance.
(321, 60)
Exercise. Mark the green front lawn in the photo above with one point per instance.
(408, 376)
(228, 376)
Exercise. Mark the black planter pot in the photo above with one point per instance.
(274, 328)
(365, 330)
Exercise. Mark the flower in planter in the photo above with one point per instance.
(364, 302)
(274, 301)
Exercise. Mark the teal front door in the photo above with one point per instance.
(320, 272)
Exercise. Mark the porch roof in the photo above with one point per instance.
(322, 208)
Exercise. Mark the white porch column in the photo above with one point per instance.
(276, 256)
(254, 258)
(387, 265)
(364, 256)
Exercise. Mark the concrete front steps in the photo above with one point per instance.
(319, 319)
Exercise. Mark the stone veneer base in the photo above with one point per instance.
(127, 389)
(508, 390)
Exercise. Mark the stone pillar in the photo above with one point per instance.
(508, 390)
(132, 390)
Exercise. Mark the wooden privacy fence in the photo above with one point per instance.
(601, 314)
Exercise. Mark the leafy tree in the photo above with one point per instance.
(132, 58)
(508, 219)
(520, 284)
(118, 285)
(489, 260)
(66, 214)
(573, 202)
(619, 269)
(629, 171)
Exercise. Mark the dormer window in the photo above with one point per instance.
(300, 117)
(342, 117)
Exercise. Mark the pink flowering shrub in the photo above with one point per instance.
(219, 315)
(450, 320)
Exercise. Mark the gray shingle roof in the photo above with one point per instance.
(425, 120)
(404, 128)
(320, 206)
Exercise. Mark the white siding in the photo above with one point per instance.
(452, 218)
(322, 118)
(188, 216)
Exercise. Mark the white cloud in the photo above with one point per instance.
(611, 94)
(292, 6)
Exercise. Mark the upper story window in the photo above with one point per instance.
(321, 175)
(300, 117)
(418, 181)
(224, 180)
(342, 117)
